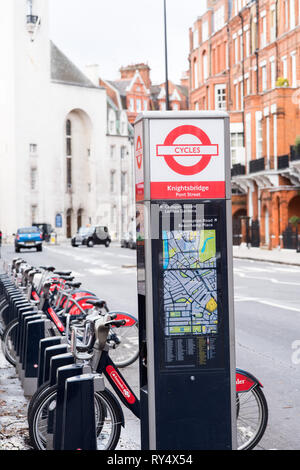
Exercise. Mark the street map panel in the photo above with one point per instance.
(190, 282)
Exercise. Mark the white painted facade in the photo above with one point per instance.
(37, 98)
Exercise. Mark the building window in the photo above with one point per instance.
(273, 73)
(205, 66)
(112, 151)
(131, 105)
(123, 121)
(220, 97)
(145, 105)
(112, 122)
(33, 148)
(236, 52)
(204, 31)
(263, 36)
(138, 105)
(259, 135)
(219, 18)
(123, 181)
(236, 141)
(284, 67)
(175, 107)
(123, 152)
(253, 35)
(286, 13)
(241, 47)
(237, 106)
(247, 43)
(273, 23)
(248, 136)
(195, 38)
(292, 14)
(69, 152)
(112, 181)
(33, 179)
(294, 69)
(264, 77)
(34, 213)
(68, 138)
(195, 74)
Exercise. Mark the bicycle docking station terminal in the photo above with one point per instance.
(185, 281)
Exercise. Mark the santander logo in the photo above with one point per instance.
(243, 383)
(129, 397)
(240, 382)
(139, 152)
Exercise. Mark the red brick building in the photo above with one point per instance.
(245, 58)
(137, 94)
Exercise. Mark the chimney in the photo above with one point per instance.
(184, 81)
(128, 72)
(92, 71)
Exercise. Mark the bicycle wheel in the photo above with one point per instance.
(124, 345)
(252, 418)
(35, 396)
(3, 315)
(108, 419)
(7, 342)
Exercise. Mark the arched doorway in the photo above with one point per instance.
(237, 227)
(290, 234)
(294, 207)
(78, 168)
(79, 218)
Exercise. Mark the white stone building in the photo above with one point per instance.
(53, 130)
(118, 197)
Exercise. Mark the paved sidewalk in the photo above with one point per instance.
(274, 256)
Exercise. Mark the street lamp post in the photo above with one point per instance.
(166, 57)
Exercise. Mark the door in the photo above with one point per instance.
(69, 224)
(79, 219)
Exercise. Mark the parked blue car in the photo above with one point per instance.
(28, 237)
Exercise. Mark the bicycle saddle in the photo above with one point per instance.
(63, 273)
(48, 268)
(67, 278)
(97, 302)
(75, 285)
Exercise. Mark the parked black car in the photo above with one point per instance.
(46, 230)
(90, 236)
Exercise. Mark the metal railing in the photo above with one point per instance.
(282, 162)
(257, 165)
(238, 169)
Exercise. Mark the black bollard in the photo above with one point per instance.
(79, 421)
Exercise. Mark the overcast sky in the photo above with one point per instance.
(115, 33)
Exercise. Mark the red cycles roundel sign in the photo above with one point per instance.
(187, 158)
(205, 150)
